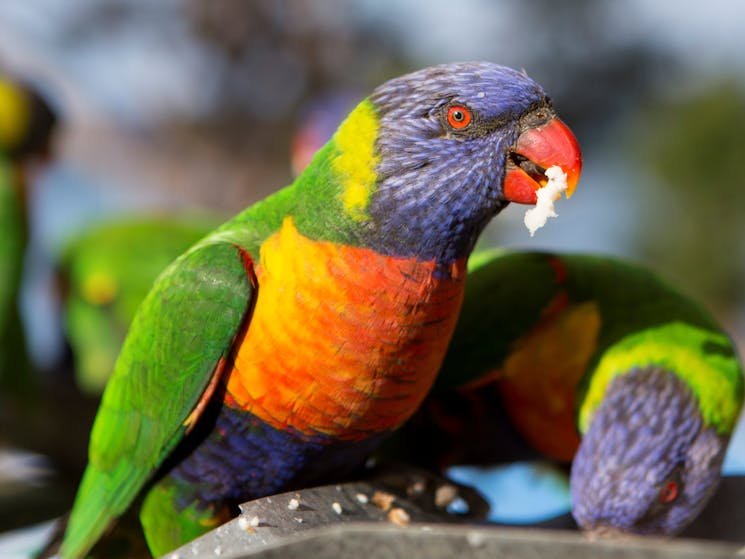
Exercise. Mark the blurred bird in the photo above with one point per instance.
(318, 121)
(104, 274)
(593, 360)
(285, 345)
(27, 124)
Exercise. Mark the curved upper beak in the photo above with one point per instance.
(535, 150)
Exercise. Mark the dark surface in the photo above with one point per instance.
(305, 524)
(373, 540)
(391, 495)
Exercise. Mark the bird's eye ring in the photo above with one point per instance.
(669, 492)
(459, 117)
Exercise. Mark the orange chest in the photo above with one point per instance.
(342, 341)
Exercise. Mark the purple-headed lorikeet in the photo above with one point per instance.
(286, 344)
(596, 361)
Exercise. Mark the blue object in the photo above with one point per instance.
(520, 493)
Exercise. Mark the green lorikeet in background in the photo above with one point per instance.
(285, 345)
(26, 126)
(592, 360)
(105, 273)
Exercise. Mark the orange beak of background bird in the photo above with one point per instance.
(535, 150)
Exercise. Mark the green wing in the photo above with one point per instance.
(184, 327)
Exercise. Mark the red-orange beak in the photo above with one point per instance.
(536, 150)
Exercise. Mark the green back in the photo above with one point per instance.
(505, 295)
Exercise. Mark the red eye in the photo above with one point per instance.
(669, 492)
(459, 117)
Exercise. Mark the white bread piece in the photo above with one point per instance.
(536, 217)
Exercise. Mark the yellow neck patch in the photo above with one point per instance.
(14, 115)
(715, 378)
(356, 160)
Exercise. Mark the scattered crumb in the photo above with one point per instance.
(293, 504)
(248, 525)
(445, 494)
(536, 217)
(362, 498)
(399, 516)
(416, 488)
(218, 550)
(383, 500)
(298, 520)
(475, 539)
(337, 507)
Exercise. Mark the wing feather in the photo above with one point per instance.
(185, 326)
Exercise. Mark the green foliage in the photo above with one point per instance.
(694, 149)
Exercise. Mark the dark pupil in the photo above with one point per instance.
(458, 116)
(668, 493)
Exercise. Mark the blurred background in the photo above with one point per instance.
(194, 107)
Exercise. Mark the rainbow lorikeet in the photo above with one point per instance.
(596, 361)
(27, 123)
(282, 347)
(105, 272)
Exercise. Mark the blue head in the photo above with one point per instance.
(647, 464)
(448, 137)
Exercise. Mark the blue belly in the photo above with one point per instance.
(241, 458)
